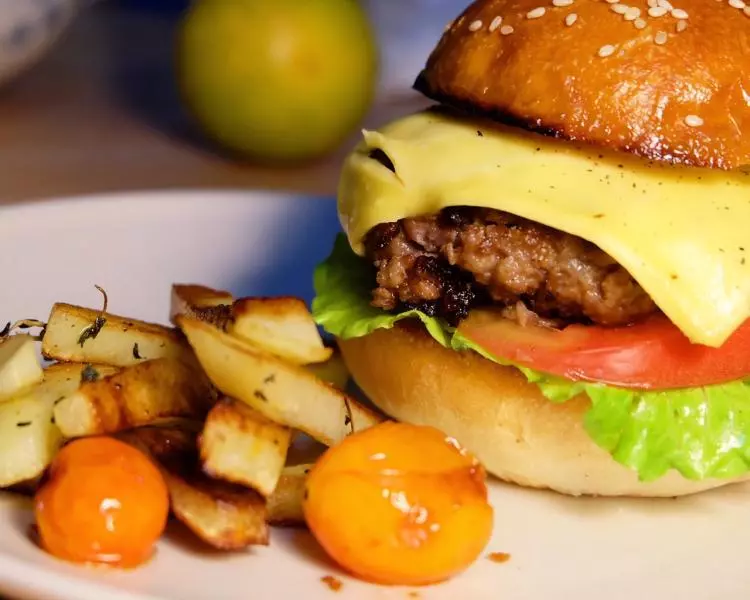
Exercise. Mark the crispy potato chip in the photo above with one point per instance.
(137, 395)
(240, 445)
(283, 392)
(225, 516)
(78, 334)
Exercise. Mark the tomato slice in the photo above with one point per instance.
(653, 354)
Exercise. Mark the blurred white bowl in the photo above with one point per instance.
(28, 30)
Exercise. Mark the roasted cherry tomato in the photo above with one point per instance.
(399, 504)
(653, 354)
(103, 501)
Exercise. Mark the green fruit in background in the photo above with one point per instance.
(277, 79)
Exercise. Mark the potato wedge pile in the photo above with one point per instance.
(216, 400)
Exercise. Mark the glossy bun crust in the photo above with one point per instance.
(663, 87)
(519, 435)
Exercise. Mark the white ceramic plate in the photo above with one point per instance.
(137, 245)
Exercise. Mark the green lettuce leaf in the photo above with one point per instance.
(700, 432)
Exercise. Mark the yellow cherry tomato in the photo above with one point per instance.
(399, 504)
(103, 501)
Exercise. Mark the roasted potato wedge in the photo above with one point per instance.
(284, 506)
(201, 302)
(162, 443)
(240, 445)
(333, 370)
(225, 516)
(285, 393)
(78, 334)
(187, 296)
(29, 438)
(138, 395)
(282, 326)
(19, 366)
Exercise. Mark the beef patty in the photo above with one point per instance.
(463, 257)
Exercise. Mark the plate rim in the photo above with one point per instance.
(173, 194)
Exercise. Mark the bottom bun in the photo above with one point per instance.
(494, 412)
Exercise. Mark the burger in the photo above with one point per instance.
(551, 263)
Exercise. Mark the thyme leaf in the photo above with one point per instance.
(24, 324)
(89, 374)
(91, 331)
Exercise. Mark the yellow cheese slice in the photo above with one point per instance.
(683, 233)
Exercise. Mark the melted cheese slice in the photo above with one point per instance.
(682, 233)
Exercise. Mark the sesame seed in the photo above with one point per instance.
(665, 4)
(737, 4)
(657, 11)
(536, 12)
(607, 50)
(475, 25)
(681, 26)
(506, 29)
(693, 121)
(746, 10)
(496, 22)
(620, 9)
(652, 3)
(632, 13)
(612, 1)
(562, 2)
(570, 19)
(660, 38)
(639, 24)
(678, 13)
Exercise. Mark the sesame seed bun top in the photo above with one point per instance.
(664, 79)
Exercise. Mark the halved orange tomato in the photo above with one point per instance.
(653, 354)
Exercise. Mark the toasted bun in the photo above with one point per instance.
(494, 412)
(662, 92)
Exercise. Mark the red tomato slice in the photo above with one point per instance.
(654, 354)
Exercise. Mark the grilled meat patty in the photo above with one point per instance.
(447, 263)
